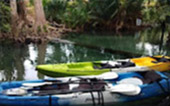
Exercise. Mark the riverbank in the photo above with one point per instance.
(57, 32)
(36, 37)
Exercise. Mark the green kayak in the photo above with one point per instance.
(160, 63)
(70, 69)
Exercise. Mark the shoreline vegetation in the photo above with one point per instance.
(36, 21)
(26, 22)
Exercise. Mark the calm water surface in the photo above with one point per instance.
(18, 61)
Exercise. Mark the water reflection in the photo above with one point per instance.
(153, 36)
(67, 50)
(18, 61)
(12, 61)
(152, 42)
(150, 49)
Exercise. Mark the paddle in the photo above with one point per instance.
(37, 84)
(131, 80)
(105, 76)
(15, 92)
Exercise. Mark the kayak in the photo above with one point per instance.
(159, 63)
(90, 91)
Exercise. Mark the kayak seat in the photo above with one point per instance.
(162, 59)
(92, 84)
(126, 64)
(120, 64)
(53, 89)
(150, 77)
(64, 86)
(103, 66)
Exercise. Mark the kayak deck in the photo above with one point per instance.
(110, 96)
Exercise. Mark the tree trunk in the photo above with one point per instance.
(14, 17)
(40, 19)
(22, 11)
(13, 6)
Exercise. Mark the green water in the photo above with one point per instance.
(17, 62)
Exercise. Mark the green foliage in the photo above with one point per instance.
(4, 17)
(32, 2)
(54, 9)
(71, 13)
(103, 10)
(158, 13)
(76, 14)
(107, 13)
(82, 13)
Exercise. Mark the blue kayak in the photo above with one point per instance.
(89, 91)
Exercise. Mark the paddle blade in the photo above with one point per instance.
(108, 75)
(135, 81)
(36, 84)
(15, 92)
(126, 89)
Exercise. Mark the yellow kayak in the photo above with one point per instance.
(159, 63)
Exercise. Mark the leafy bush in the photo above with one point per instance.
(90, 13)
(156, 13)
(4, 17)
(76, 14)
(54, 9)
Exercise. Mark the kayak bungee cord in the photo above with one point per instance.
(99, 93)
(98, 97)
(91, 86)
(93, 99)
(50, 100)
(102, 98)
(168, 85)
(161, 86)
